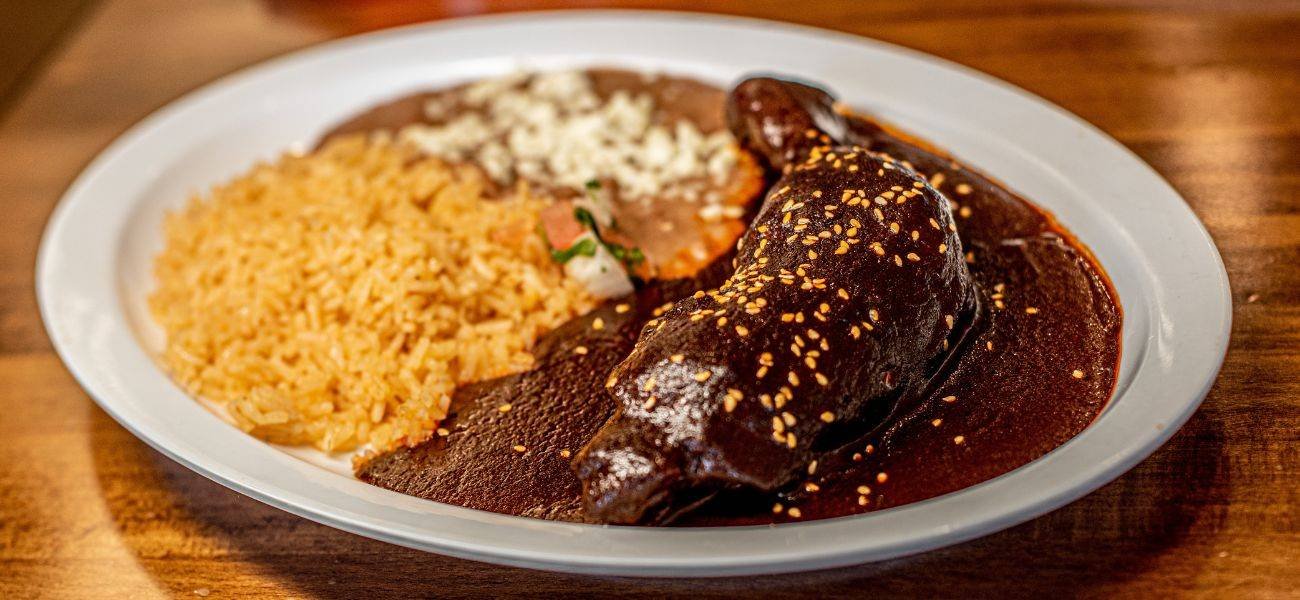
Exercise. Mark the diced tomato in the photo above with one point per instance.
(561, 228)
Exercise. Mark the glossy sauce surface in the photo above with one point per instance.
(1036, 371)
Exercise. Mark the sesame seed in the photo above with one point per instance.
(821, 379)
(702, 376)
(793, 379)
(795, 512)
(649, 384)
(811, 487)
(677, 358)
(913, 257)
(621, 308)
(580, 350)
(963, 189)
(950, 399)
(1031, 311)
(882, 477)
(1077, 374)
(777, 508)
(898, 260)
(598, 324)
(828, 417)
(443, 432)
(520, 448)
(505, 408)
(812, 468)
(565, 453)
(936, 422)
(650, 402)
(959, 440)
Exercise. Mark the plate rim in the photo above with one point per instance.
(306, 507)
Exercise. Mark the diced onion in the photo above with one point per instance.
(601, 273)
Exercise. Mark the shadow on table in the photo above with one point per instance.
(1101, 540)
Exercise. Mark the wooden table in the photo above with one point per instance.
(1208, 94)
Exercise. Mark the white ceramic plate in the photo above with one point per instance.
(94, 273)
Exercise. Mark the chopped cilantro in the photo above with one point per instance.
(630, 256)
(584, 247)
(587, 219)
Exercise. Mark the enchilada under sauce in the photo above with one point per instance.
(1034, 369)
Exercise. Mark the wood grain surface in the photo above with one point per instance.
(1208, 93)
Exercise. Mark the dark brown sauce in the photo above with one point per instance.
(1014, 394)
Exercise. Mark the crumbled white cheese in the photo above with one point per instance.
(553, 128)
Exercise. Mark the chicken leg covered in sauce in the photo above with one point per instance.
(849, 291)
